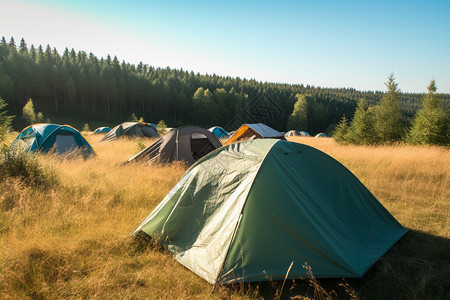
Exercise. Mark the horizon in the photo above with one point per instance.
(347, 46)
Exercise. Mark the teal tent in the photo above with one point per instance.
(219, 132)
(43, 137)
(304, 133)
(247, 210)
(102, 130)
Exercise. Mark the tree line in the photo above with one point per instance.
(81, 85)
(383, 123)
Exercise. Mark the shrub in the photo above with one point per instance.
(27, 168)
(161, 126)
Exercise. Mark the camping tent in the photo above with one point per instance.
(102, 130)
(319, 135)
(188, 143)
(43, 137)
(292, 133)
(304, 133)
(253, 131)
(219, 132)
(140, 129)
(247, 210)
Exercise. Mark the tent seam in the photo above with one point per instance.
(242, 210)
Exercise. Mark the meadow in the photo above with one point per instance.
(68, 235)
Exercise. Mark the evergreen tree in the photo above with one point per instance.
(388, 116)
(361, 130)
(340, 133)
(431, 124)
(23, 49)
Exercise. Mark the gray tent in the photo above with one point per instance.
(139, 129)
(188, 143)
(292, 133)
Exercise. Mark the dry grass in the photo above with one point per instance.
(71, 240)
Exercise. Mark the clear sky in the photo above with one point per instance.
(322, 43)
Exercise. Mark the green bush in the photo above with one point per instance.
(27, 168)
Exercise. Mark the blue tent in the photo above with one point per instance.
(43, 137)
(304, 133)
(102, 130)
(154, 126)
(319, 135)
(219, 132)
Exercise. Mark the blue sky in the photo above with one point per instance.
(322, 43)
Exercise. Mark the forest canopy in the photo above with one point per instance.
(81, 85)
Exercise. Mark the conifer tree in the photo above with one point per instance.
(361, 130)
(431, 123)
(23, 49)
(388, 116)
(340, 133)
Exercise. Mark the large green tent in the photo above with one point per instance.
(247, 210)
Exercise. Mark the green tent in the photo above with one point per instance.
(247, 210)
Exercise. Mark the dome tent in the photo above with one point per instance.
(219, 132)
(254, 131)
(102, 130)
(319, 135)
(44, 137)
(304, 133)
(292, 133)
(187, 143)
(247, 210)
(139, 129)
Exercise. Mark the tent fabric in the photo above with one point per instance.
(139, 129)
(219, 132)
(292, 133)
(188, 144)
(304, 133)
(319, 135)
(247, 210)
(253, 131)
(296, 133)
(44, 137)
(102, 130)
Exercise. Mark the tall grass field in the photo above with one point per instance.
(67, 235)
